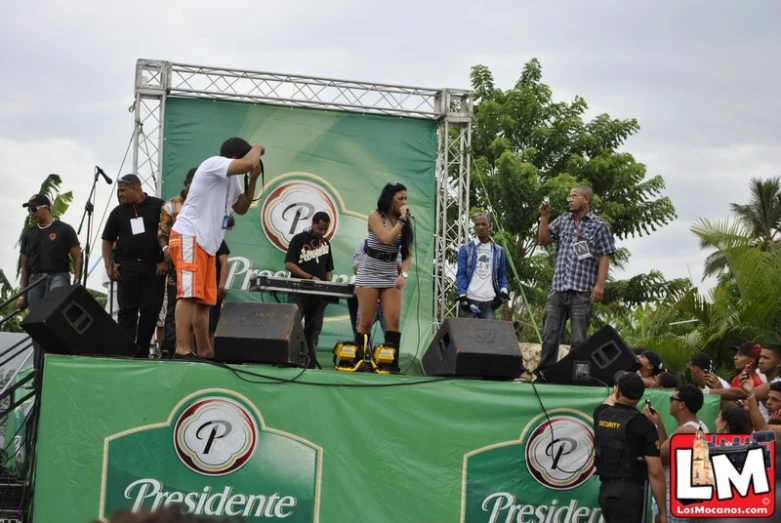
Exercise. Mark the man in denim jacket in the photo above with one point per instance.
(481, 280)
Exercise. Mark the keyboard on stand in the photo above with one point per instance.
(325, 289)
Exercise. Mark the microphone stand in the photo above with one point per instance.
(89, 207)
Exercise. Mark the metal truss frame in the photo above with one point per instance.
(157, 80)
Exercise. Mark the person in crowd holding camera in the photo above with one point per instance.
(378, 277)
(583, 250)
(481, 277)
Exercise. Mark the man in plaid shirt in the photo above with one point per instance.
(583, 250)
(168, 214)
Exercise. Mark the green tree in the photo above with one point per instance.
(526, 146)
(758, 224)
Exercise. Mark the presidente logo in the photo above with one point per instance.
(542, 476)
(560, 452)
(215, 436)
(288, 210)
(213, 456)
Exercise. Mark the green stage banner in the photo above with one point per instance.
(16, 424)
(265, 444)
(315, 161)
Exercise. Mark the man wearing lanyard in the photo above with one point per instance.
(583, 250)
(198, 232)
(137, 264)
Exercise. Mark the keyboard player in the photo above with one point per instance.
(309, 258)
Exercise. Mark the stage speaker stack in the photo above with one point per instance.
(594, 362)
(269, 333)
(69, 321)
(473, 348)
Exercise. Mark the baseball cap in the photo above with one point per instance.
(630, 384)
(37, 200)
(749, 348)
(701, 360)
(654, 359)
(131, 179)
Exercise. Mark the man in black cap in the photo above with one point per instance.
(136, 263)
(45, 251)
(703, 371)
(626, 451)
(650, 365)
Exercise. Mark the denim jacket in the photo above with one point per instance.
(466, 268)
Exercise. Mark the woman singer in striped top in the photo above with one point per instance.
(378, 277)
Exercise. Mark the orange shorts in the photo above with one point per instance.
(196, 270)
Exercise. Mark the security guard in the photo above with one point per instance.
(626, 454)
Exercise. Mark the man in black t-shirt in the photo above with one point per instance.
(215, 311)
(309, 257)
(46, 251)
(626, 450)
(136, 262)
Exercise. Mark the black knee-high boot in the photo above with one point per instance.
(393, 339)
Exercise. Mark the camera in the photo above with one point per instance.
(546, 200)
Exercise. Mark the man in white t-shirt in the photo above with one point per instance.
(198, 232)
(481, 278)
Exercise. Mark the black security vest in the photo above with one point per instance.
(614, 456)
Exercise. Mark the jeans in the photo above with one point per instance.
(169, 329)
(572, 305)
(37, 294)
(312, 311)
(140, 296)
(486, 310)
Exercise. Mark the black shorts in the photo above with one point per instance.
(214, 315)
(621, 501)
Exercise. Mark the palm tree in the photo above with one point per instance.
(758, 222)
(763, 213)
(60, 203)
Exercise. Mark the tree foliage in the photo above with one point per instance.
(526, 146)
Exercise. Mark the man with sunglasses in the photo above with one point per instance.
(583, 250)
(685, 402)
(47, 250)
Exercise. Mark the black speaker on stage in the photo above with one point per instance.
(474, 348)
(594, 362)
(69, 321)
(260, 333)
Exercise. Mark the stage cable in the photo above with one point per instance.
(99, 229)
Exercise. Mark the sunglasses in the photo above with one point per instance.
(33, 210)
(673, 398)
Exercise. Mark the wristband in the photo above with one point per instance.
(749, 397)
(165, 247)
(403, 219)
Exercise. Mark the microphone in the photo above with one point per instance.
(102, 173)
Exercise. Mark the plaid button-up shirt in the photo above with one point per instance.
(168, 214)
(570, 273)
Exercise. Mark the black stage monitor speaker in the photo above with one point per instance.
(69, 321)
(260, 333)
(594, 362)
(475, 348)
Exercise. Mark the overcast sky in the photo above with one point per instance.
(701, 77)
